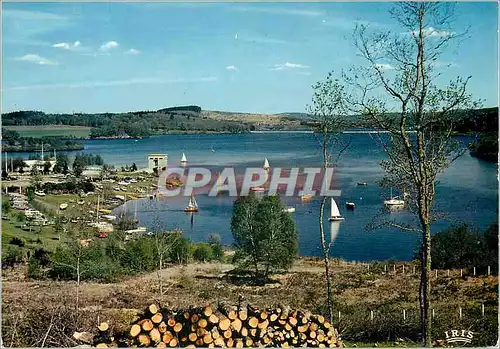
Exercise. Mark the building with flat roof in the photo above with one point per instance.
(158, 161)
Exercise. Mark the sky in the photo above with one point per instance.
(241, 57)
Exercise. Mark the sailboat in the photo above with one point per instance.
(266, 164)
(192, 205)
(184, 159)
(334, 212)
(394, 201)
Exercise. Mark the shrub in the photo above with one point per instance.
(202, 253)
(11, 256)
(16, 241)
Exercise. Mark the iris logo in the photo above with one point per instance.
(456, 336)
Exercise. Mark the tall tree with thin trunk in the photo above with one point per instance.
(328, 111)
(396, 92)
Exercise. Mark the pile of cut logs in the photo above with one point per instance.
(232, 327)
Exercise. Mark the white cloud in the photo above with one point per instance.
(33, 58)
(67, 45)
(109, 45)
(288, 65)
(383, 66)
(232, 67)
(133, 81)
(132, 51)
(433, 32)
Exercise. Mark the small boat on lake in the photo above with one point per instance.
(183, 158)
(289, 209)
(192, 205)
(334, 212)
(394, 201)
(306, 197)
(257, 189)
(362, 184)
(39, 193)
(266, 164)
(350, 205)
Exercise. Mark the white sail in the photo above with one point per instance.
(183, 159)
(334, 210)
(266, 164)
(192, 202)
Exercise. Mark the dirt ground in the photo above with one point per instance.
(303, 287)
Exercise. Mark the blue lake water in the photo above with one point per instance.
(467, 191)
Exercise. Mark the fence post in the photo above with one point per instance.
(489, 270)
(368, 267)
(339, 315)
(385, 268)
(436, 272)
(482, 309)
(403, 268)
(433, 314)
(474, 271)
(371, 315)
(413, 269)
(394, 268)
(460, 312)
(404, 315)
(461, 273)
(448, 272)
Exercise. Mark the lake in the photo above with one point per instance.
(467, 191)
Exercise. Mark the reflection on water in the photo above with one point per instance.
(334, 230)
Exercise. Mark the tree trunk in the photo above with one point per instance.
(425, 287)
(326, 259)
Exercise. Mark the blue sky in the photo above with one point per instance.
(248, 57)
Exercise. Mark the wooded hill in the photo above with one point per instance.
(194, 119)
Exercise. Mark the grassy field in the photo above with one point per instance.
(51, 130)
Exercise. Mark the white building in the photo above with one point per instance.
(157, 161)
(40, 164)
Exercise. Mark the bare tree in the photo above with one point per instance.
(328, 110)
(397, 93)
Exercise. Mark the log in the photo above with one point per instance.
(224, 324)
(153, 309)
(213, 319)
(219, 342)
(207, 339)
(230, 343)
(201, 332)
(192, 337)
(135, 330)
(157, 318)
(253, 322)
(178, 327)
(162, 327)
(144, 340)
(173, 343)
(292, 321)
(232, 315)
(242, 315)
(207, 311)
(103, 326)
(273, 317)
(147, 325)
(101, 345)
(236, 325)
(171, 322)
(167, 337)
(227, 334)
(202, 323)
(194, 318)
(263, 315)
(155, 335)
(303, 328)
(244, 331)
(161, 345)
(239, 343)
(263, 325)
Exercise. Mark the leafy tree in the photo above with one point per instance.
(127, 222)
(217, 249)
(46, 167)
(265, 233)
(62, 164)
(202, 252)
(78, 165)
(134, 167)
(18, 164)
(411, 102)
(6, 206)
(328, 110)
